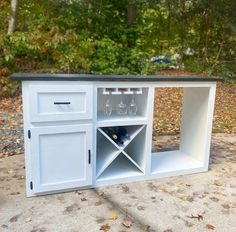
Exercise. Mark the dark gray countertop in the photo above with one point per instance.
(87, 77)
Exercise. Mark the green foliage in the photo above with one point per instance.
(95, 37)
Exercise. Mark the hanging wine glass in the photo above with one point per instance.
(121, 108)
(107, 110)
(133, 107)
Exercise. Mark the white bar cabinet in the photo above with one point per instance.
(66, 144)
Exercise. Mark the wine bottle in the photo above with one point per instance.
(112, 133)
(122, 131)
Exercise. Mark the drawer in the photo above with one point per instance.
(60, 102)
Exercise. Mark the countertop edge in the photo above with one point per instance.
(88, 77)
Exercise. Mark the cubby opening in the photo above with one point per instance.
(167, 114)
(136, 149)
(106, 153)
(115, 95)
(120, 168)
(190, 128)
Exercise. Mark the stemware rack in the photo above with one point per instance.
(119, 91)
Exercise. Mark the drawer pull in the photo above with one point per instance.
(61, 103)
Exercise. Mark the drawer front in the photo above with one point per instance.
(60, 102)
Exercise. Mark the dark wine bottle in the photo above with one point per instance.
(111, 132)
(122, 132)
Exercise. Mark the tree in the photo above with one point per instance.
(13, 17)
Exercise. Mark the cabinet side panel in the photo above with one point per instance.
(26, 112)
(197, 122)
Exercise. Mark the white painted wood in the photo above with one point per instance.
(136, 149)
(173, 161)
(44, 97)
(132, 161)
(60, 157)
(26, 111)
(108, 150)
(59, 136)
(210, 114)
(115, 120)
(120, 168)
(106, 153)
(148, 138)
(95, 134)
(164, 84)
(194, 135)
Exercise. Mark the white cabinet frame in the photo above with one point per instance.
(198, 108)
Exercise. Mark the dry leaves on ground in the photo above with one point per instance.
(105, 228)
(210, 227)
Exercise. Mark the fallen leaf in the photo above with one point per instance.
(98, 203)
(210, 227)
(217, 183)
(28, 219)
(15, 193)
(125, 189)
(215, 199)
(140, 208)
(10, 171)
(15, 218)
(147, 228)
(199, 217)
(105, 228)
(127, 223)
(164, 190)
(188, 224)
(226, 206)
(113, 216)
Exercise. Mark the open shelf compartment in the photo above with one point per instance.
(192, 154)
(132, 131)
(173, 161)
(106, 151)
(121, 167)
(136, 148)
(140, 98)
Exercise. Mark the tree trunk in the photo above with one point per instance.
(13, 17)
(131, 14)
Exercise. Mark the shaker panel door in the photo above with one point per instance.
(61, 157)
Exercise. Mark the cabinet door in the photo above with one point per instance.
(61, 157)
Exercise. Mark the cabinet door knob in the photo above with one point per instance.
(61, 103)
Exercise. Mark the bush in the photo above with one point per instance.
(7, 87)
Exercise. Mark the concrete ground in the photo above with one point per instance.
(193, 203)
